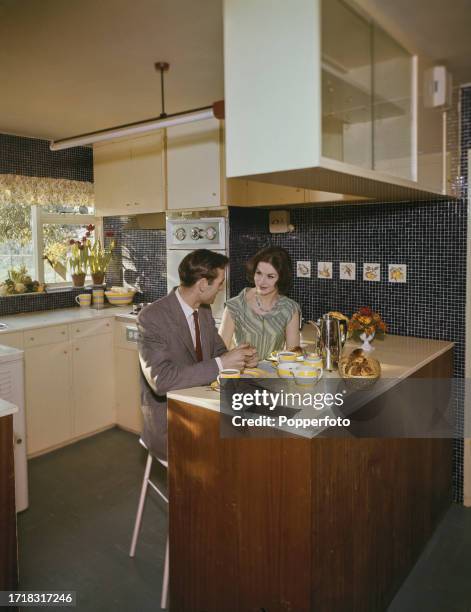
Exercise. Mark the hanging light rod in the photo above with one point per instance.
(215, 111)
(129, 129)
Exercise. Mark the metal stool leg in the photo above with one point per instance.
(164, 599)
(140, 507)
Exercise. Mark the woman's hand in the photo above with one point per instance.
(293, 337)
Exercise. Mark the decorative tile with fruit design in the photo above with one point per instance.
(324, 269)
(371, 272)
(347, 270)
(397, 273)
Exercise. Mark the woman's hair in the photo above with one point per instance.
(201, 264)
(280, 260)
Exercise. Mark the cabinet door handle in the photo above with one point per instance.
(136, 203)
(128, 204)
(32, 339)
(77, 330)
(63, 333)
(77, 349)
(107, 325)
(65, 352)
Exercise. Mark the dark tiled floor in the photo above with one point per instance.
(77, 532)
(441, 579)
(76, 535)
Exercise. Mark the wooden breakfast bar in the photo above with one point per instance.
(300, 524)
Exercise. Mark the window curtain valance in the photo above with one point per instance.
(19, 189)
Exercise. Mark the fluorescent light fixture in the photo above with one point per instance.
(140, 127)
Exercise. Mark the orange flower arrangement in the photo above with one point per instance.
(367, 321)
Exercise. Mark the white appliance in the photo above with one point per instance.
(187, 234)
(438, 88)
(12, 390)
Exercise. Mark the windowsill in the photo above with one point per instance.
(50, 291)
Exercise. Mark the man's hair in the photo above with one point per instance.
(201, 264)
(280, 260)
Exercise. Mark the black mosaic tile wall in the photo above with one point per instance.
(32, 157)
(141, 259)
(430, 238)
(465, 131)
(15, 304)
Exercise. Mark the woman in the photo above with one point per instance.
(263, 316)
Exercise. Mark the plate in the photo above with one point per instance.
(273, 357)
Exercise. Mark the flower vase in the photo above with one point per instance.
(98, 278)
(78, 280)
(366, 346)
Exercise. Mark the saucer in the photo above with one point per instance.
(247, 373)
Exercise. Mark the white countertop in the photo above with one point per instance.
(47, 318)
(400, 356)
(7, 408)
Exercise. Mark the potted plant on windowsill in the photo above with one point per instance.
(78, 261)
(99, 256)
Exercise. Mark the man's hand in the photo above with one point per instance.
(252, 362)
(238, 357)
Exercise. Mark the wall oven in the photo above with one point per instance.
(187, 234)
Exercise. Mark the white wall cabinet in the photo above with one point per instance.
(129, 175)
(193, 165)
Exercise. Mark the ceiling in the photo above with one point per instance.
(439, 29)
(73, 66)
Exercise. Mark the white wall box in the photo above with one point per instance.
(130, 175)
(357, 122)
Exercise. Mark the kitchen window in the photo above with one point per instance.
(38, 236)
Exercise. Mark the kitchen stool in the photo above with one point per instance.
(137, 525)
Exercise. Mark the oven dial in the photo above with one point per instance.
(195, 233)
(180, 233)
(211, 233)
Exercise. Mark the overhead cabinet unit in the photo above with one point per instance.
(322, 98)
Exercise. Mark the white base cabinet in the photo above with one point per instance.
(127, 373)
(49, 402)
(69, 381)
(80, 378)
(128, 392)
(93, 382)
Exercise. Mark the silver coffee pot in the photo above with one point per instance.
(331, 337)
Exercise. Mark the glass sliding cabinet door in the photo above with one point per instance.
(346, 85)
(366, 93)
(392, 107)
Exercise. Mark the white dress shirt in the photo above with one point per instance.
(188, 312)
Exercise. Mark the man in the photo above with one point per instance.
(179, 345)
